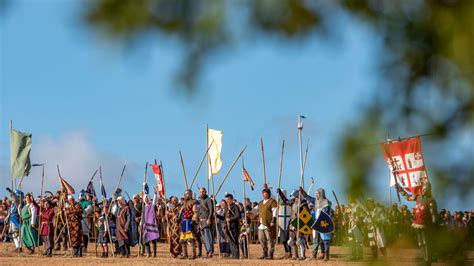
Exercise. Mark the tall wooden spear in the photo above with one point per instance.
(104, 200)
(184, 170)
(14, 179)
(140, 236)
(263, 163)
(210, 178)
(120, 179)
(168, 237)
(41, 199)
(246, 246)
(278, 194)
(200, 164)
(64, 205)
(228, 172)
(300, 129)
(118, 185)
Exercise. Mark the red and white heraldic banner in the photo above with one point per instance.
(405, 161)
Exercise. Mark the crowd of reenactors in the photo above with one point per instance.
(193, 225)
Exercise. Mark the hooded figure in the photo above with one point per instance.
(321, 204)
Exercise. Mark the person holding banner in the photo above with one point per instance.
(425, 219)
(150, 227)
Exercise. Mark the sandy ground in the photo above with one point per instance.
(338, 257)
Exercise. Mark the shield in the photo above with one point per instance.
(324, 224)
(305, 222)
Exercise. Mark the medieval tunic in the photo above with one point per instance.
(187, 233)
(102, 231)
(29, 235)
(266, 232)
(74, 218)
(46, 227)
(174, 229)
(150, 226)
(123, 223)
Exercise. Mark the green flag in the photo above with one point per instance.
(20, 147)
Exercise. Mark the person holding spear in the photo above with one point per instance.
(46, 227)
(74, 217)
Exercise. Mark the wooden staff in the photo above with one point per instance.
(210, 176)
(142, 212)
(41, 204)
(14, 179)
(228, 172)
(65, 214)
(263, 163)
(245, 214)
(120, 179)
(114, 200)
(389, 179)
(104, 200)
(311, 186)
(209, 170)
(200, 165)
(166, 207)
(305, 158)
(278, 194)
(184, 170)
(300, 129)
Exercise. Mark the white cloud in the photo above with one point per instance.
(78, 158)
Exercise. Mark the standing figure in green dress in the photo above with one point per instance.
(29, 231)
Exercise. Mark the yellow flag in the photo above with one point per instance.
(215, 164)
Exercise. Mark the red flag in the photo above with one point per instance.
(65, 186)
(247, 178)
(160, 183)
(405, 161)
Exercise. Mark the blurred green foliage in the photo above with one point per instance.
(426, 66)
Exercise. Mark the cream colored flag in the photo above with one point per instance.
(214, 137)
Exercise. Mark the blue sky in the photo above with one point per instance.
(89, 102)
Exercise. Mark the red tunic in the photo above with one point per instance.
(419, 215)
(46, 227)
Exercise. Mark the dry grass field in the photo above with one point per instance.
(338, 257)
